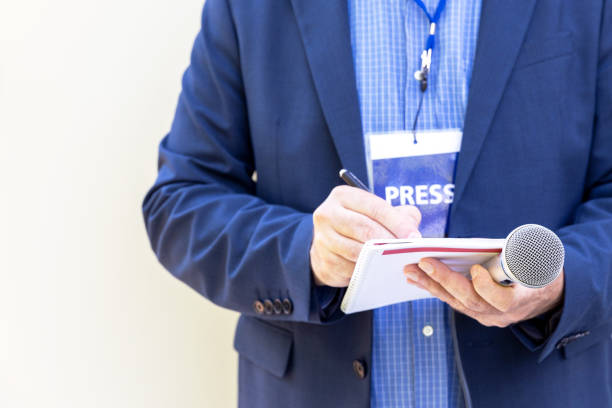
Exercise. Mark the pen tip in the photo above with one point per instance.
(342, 172)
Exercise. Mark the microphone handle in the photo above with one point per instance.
(496, 269)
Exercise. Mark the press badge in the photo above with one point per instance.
(422, 174)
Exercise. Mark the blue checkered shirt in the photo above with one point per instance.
(412, 365)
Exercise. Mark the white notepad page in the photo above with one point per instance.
(378, 279)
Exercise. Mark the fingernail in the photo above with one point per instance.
(474, 272)
(411, 275)
(414, 235)
(426, 267)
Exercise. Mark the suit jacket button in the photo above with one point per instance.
(258, 306)
(278, 306)
(268, 307)
(360, 369)
(287, 306)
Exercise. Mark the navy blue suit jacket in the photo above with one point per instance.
(271, 88)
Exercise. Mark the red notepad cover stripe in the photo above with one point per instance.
(440, 249)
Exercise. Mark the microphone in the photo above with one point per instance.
(533, 256)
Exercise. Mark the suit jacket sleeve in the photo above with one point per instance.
(204, 221)
(587, 303)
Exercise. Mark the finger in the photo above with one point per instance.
(418, 285)
(410, 212)
(500, 297)
(357, 226)
(334, 270)
(332, 216)
(424, 282)
(457, 285)
(415, 274)
(345, 247)
(379, 210)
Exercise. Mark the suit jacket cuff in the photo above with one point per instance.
(534, 333)
(328, 302)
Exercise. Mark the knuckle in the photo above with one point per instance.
(314, 247)
(334, 243)
(368, 232)
(338, 191)
(374, 210)
(378, 209)
(327, 265)
(318, 216)
(317, 244)
(315, 258)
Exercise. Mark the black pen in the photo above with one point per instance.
(352, 180)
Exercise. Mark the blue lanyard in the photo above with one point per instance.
(430, 43)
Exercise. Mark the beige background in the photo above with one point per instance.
(87, 316)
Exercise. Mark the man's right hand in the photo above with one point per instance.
(344, 222)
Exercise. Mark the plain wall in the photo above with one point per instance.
(88, 318)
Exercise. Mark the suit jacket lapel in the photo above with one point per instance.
(325, 31)
(503, 24)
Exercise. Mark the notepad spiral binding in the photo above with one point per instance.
(355, 283)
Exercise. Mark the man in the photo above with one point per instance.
(279, 87)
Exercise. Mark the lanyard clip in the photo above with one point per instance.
(422, 75)
(424, 72)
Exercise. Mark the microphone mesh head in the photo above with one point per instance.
(534, 255)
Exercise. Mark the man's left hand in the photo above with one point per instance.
(482, 298)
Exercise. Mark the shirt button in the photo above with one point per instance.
(427, 331)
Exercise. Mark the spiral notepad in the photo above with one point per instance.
(378, 279)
